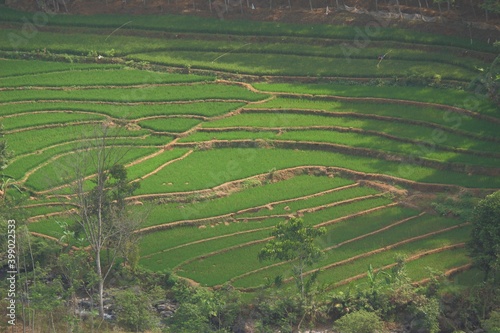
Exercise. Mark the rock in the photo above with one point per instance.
(166, 314)
(109, 317)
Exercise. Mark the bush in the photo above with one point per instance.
(134, 310)
(359, 322)
(492, 325)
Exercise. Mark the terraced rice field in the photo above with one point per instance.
(229, 133)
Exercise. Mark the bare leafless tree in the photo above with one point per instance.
(103, 217)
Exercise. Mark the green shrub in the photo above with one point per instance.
(134, 310)
(359, 322)
(492, 325)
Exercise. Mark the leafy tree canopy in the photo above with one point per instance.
(485, 242)
(293, 240)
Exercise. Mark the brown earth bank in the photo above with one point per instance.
(464, 18)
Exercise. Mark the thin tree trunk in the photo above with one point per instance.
(52, 322)
(101, 284)
(311, 4)
(376, 5)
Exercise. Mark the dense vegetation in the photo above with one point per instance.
(138, 157)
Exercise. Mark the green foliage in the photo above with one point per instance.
(77, 270)
(5, 153)
(278, 310)
(134, 310)
(488, 82)
(202, 310)
(485, 242)
(293, 240)
(426, 313)
(461, 207)
(491, 5)
(492, 324)
(40, 292)
(359, 322)
(190, 317)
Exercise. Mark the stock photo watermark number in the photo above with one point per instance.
(12, 272)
